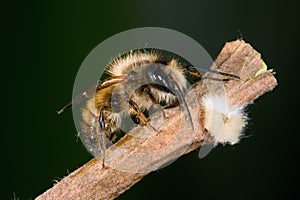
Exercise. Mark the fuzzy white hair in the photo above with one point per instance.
(223, 121)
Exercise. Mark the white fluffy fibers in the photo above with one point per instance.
(223, 121)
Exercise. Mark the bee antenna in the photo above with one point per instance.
(79, 98)
(64, 108)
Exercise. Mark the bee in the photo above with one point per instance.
(137, 81)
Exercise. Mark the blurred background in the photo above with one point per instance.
(45, 44)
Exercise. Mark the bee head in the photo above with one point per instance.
(156, 75)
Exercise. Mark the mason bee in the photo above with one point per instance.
(136, 81)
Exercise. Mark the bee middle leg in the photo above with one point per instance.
(138, 116)
(155, 102)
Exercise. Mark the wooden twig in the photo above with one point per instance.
(143, 150)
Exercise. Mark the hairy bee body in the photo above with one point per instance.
(137, 80)
(141, 64)
(136, 92)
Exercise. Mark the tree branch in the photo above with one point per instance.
(143, 150)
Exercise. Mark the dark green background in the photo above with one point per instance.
(44, 44)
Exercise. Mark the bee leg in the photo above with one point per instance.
(216, 79)
(138, 116)
(102, 139)
(154, 100)
(172, 105)
(195, 71)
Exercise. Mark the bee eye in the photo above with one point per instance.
(131, 74)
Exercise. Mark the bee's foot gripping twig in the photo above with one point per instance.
(153, 128)
(103, 162)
